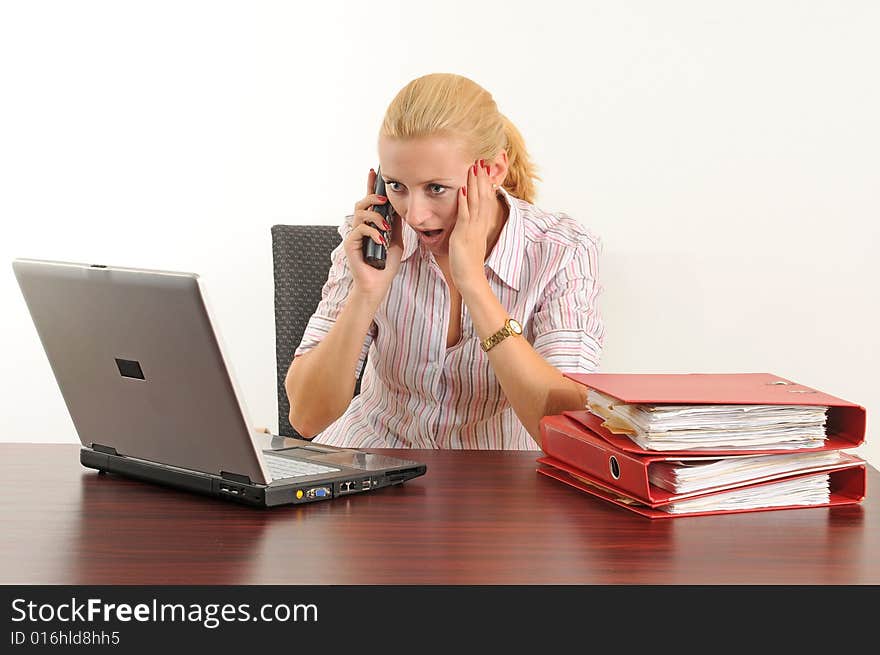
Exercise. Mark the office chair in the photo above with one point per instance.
(301, 261)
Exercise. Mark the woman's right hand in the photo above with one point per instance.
(370, 281)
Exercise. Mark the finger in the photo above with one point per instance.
(371, 181)
(473, 190)
(366, 230)
(367, 216)
(370, 200)
(486, 179)
(463, 193)
(483, 184)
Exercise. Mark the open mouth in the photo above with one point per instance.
(430, 233)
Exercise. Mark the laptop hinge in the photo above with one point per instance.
(107, 450)
(235, 477)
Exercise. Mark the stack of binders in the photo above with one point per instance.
(669, 445)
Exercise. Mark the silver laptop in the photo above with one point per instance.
(142, 370)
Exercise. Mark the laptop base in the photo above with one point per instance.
(293, 492)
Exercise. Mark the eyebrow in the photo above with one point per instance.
(388, 178)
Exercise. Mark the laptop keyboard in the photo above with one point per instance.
(282, 467)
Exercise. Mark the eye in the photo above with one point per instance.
(397, 187)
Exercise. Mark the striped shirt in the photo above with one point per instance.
(416, 392)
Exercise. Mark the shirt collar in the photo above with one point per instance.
(506, 257)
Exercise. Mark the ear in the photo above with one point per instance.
(498, 168)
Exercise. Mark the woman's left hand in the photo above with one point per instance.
(469, 238)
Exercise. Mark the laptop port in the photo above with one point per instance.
(318, 492)
(365, 484)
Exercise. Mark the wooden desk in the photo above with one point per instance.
(476, 517)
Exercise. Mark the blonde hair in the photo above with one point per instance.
(452, 105)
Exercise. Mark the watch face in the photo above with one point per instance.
(515, 327)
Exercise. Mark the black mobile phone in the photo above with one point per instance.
(375, 254)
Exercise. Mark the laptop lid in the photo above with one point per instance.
(140, 366)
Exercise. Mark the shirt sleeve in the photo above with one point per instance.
(334, 294)
(568, 330)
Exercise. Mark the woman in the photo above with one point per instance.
(469, 257)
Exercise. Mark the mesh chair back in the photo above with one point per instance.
(301, 261)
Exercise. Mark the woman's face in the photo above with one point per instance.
(422, 179)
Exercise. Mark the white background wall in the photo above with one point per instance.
(726, 153)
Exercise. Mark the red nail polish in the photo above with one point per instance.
(487, 169)
(482, 164)
(464, 191)
(475, 169)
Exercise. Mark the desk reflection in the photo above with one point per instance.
(796, 546)
(474, 518)
(132, 532)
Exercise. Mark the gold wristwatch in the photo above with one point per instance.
(511, 327)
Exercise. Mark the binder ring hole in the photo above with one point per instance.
(779, 382)
(614, 466)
